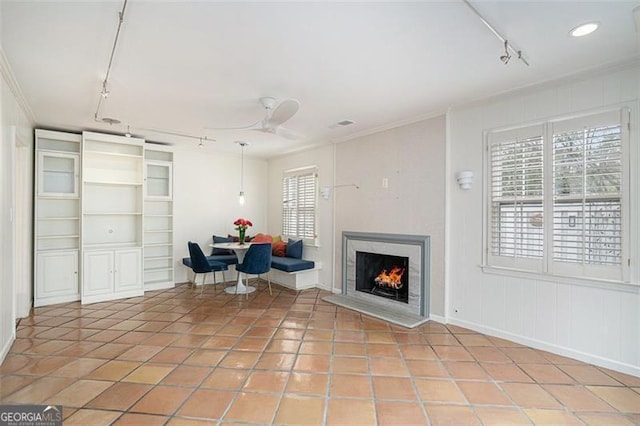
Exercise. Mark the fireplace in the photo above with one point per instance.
(383, 275)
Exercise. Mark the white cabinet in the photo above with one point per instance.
(56, 218)
(112, 216)
(158, 220)
(158, 177)
(58, 174)
(111, 274)
(57, 278)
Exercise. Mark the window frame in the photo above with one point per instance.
(547, 266)
(297, 173)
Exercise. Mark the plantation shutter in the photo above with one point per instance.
(516, 198)
(299, 194)
(588, 196)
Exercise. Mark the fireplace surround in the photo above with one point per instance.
(412, 311)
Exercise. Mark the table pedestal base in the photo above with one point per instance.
(236, 289)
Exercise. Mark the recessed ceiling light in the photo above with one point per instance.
(584, 29)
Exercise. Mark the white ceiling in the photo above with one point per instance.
(185, 66)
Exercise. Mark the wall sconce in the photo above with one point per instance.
(465, 179)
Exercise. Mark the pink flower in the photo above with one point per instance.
(242, 224)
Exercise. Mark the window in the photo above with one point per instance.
(573, 172)
(299, 194)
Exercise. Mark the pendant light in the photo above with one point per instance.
(241, 199)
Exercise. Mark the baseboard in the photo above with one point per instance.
(7, 345)
(159, 286)
(437, 318)
(556, 349)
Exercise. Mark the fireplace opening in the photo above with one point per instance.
(383, 275)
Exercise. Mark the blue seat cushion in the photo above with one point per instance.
(216, 265)
(229, 259)
(289, 264)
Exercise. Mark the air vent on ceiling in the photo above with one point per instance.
(341, 124)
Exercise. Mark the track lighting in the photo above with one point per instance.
(104, 92)
(505, 58)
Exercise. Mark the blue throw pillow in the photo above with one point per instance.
(218, 251)
(294, 249)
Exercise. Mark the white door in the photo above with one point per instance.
(57, 276)
(97, 272)
(128, 270)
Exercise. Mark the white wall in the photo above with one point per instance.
(321, 157)
(412, 158)
(598, 323)
(206, 185)
(14, 127)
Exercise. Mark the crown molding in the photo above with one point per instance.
(10, 79)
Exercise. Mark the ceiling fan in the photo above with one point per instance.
(275, 116)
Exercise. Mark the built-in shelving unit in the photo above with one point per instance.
(103, 217)
(158, 220)
(112, 216)
(57, 217)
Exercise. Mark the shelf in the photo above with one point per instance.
(160, 231)
(164, 268)
(158, 200)
(58, 197)
(159, 245)
(58, 151)
(53, 237)
(158, 258)
(57, 218)
(111, 246)
(56, 250)
(66, 172)
(112, 214)
(105, 182)
(89, 152)
(158, 215)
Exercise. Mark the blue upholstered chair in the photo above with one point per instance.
(257, 261)
(200, 264)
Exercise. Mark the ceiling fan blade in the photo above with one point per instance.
(256, 125)
(287, 134)
(282, 113)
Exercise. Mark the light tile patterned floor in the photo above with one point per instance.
(175, 357)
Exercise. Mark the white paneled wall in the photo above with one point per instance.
(595, 322)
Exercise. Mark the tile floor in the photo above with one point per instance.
(175, 357)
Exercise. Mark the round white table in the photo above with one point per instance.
(239, 250)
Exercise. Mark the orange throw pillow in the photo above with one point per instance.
(262, 238)
(279, 249)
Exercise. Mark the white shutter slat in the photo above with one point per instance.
(516, 184)
(587, 173)
(299, 203)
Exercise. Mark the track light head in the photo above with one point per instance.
(505, 58)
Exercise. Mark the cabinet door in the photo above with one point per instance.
(56, 275)
(58, 174)
(128, 270)
(97, 272)
(158, 177)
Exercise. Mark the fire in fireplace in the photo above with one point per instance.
(383, 275)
